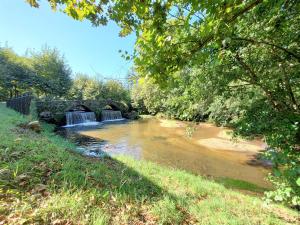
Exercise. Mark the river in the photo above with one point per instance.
(202, 149)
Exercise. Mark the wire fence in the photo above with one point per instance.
(20, 103)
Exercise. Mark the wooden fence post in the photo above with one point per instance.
(20, 103)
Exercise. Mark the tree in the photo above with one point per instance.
(16, 75)
(115, 90)
(85, 87)
(242, 48)
(44, 73)
(53, 72)
(147, 96)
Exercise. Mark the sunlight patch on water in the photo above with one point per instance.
(171, 123)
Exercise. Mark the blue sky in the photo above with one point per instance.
(87, 49)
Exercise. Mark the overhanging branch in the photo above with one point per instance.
(259, 42)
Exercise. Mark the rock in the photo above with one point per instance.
(260, 162)
(133, 115)
(46, 115)
(35, 126)
(22, 177)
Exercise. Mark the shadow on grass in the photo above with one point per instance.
(32, 163)
(84, 190)
(68, 185)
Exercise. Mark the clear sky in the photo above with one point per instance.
(87, 49)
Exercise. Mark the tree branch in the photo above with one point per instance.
(255, 81)
(209, 38)
(244, 10)
(268, 43)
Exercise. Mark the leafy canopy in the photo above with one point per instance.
(44, 73)
(245, 55)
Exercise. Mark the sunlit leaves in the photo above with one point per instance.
(246, 54)
(44, 73)
(87, 88)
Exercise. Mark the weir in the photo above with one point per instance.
(110, 115)
(81, 118)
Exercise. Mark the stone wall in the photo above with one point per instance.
(54, 110)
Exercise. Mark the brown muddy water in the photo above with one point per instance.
(202, 149)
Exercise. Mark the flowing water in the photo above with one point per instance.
(80, 118)
(201, 149)
(110, 115)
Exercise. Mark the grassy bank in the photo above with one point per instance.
(44, 182)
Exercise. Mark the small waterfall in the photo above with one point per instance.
(110, 115)
(80, 117)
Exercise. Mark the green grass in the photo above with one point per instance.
(240, 185)
(42, 181)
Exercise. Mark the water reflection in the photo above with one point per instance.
(209, 151)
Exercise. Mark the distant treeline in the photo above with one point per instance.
(44, 73)
(47, 75)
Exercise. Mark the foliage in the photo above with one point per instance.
(239, 47)
(115, 90)
(85, 87)
(253, 83)
(15, 74)
(147, 97)
(53, 71)
(45, 73)
(180, 99)
(281, 133)
(42, 181)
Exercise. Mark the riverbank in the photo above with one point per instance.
(43, 181)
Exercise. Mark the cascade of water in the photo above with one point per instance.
(110, 115)
(80, 117)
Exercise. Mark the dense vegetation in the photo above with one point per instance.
(246, 75)
(42, 181)
(46, 74)
(85, 87)
(236, 61)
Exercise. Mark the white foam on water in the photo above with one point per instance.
(113, 120)
(84, 124)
